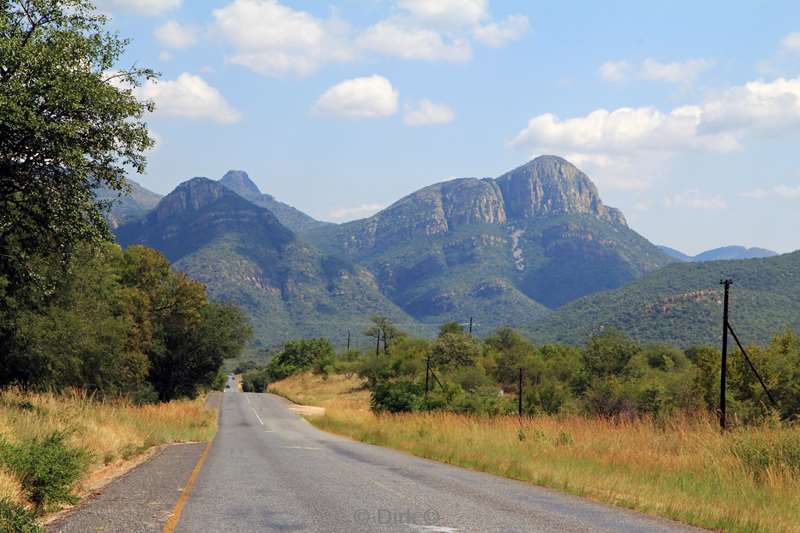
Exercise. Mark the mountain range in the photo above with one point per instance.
(725, 253)
(528, 249)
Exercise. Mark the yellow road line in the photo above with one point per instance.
(175, 516)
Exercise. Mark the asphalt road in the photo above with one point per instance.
(269, 470)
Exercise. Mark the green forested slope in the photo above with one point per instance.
(682, 304)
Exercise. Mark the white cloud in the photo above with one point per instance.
(427, 112)
(790, 192)
(359, 211)
(694, 199)
(684, 72)
(149, 8)
(675, 72)
(622, 130)
(757, 106)
(498, 34)
(397, 39)
(276, 40)
(646, 137)
(188, 96)
(176, 35)
(614, 70)
(447, 13)
(370, 97)
(164, 55)
(791, 42)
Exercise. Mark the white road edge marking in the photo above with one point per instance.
(259, 418)
(389, 489)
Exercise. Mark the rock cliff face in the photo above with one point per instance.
(545, 187)
(239, 182)
(550, 185)
(538, 235)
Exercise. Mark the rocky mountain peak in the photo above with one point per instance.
(552, 185)
(191, 195)
(239, 182)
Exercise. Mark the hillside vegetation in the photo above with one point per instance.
(682, 304)
(680, 467)
(504, 251)
(245, 256)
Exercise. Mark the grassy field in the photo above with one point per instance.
(683, 468)
(112, 432)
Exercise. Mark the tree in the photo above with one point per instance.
(300, 355)
(383, 327)
(609, 353)
(68, 124)
(91, 334)
(454, 350)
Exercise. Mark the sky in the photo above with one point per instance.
(685, 114)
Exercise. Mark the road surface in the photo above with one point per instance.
(269, 470)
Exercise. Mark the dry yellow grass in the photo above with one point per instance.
(682, 469)
(112, 431)
(335, 391)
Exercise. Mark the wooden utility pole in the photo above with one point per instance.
(427, 375)
(519, 394)
(724, 370)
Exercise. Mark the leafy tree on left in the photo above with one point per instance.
(68, 123)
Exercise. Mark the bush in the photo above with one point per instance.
(398, 397)
(47, 469)
(16, 519)
(255, 380)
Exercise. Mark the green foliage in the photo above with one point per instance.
(397, 397)
(123, 323)
(300, 355)
(613, 376)
(69, 123)
(47, 469)
(16, 519)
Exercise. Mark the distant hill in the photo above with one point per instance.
(682, 304)
(244, 254)
(675, 254)
(725, 253)
(239, 182)
(504, 250)
(734, 252)
(128, 207)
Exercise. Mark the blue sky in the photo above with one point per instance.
(686, 115)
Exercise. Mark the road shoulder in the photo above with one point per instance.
(139, 501)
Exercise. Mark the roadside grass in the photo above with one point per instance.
(683, 468)
(335, 391)
(107, 433)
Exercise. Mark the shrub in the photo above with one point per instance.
(47, 469)
(16, 519)
(255, 380)
(398, 397)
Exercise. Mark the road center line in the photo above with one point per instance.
(259, 418)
